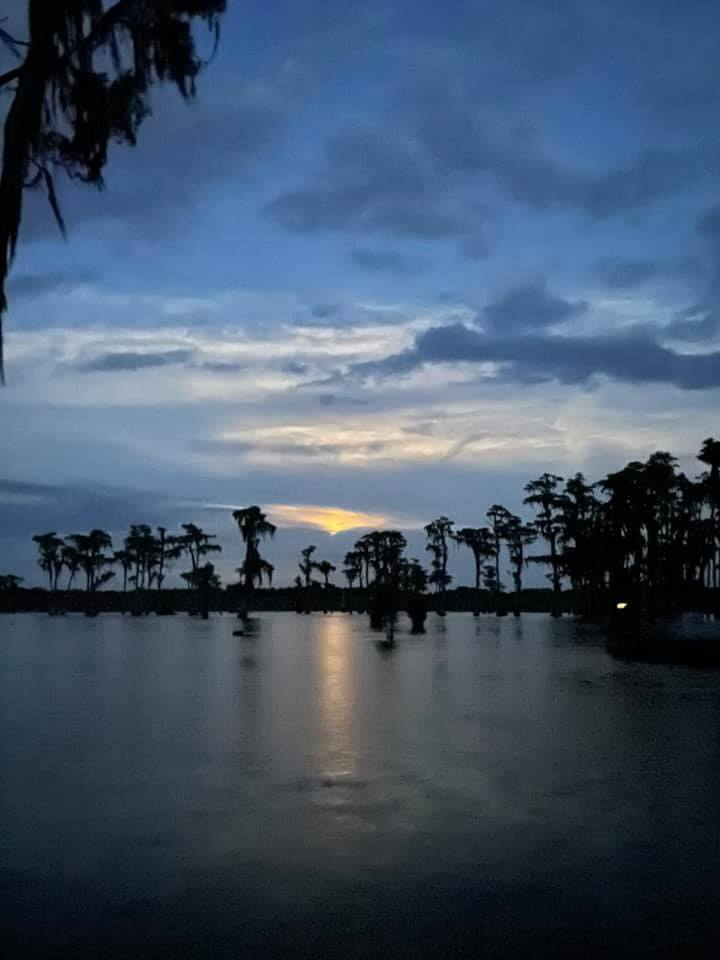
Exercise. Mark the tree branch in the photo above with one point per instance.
(11, 75)
(110, 19)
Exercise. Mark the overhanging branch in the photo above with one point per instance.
(10, 76)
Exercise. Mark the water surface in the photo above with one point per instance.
(494, 788)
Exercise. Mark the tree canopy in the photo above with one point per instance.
(82, 81)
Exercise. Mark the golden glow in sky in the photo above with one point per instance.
(330, 519)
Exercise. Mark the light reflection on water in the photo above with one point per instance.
(335, 698)
(496, 781)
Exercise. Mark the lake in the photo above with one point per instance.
(493, 788)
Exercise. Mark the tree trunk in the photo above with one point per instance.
(476, 611)
(556, 608)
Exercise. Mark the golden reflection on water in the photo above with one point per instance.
(335, 694)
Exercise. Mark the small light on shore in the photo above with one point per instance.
(621, 606)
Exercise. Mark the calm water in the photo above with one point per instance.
(494, 788)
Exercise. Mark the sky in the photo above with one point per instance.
(395, 261)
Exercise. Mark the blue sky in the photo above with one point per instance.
(397, 259)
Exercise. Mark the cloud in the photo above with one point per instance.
(530, 307)
(533, 358)
(624, 274)
(387, 261)
(128, 361)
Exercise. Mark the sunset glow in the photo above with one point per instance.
(331, 520)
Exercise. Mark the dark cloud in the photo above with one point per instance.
(325, 311)
(370, 182)
(701, 320)
(362, 207)
(294, 367)
(29, 508)
(461, 142)
(350, 315)
(128, 361)
(530, 307)
(387, 261)
(221, 366)
(302, 451)
(621, 274)
(409, 186)
(27, 285)
(337, 400)
(695, 324)
(530, 358)
(709, 223)
(411, 217)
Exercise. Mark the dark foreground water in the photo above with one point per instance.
(495, 788)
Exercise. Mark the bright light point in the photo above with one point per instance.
(331, 520)
(621, 606)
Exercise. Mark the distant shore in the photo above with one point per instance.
(462, 599)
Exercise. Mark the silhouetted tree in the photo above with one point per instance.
(9, 581)
(325, 568)
(414, 583)
(382, 551)
(254, 527)
(166, 549)
(659, 543)
(9, 584)
(710, 455)
(490, 581)
(93, 562)
(140, 550)
(363, 548)
(582, 542)
(498, 517)
(71, 562)
(353, 568)
(543, 494)
(50, 560)
(518, 536)
(125, 560)
(438, 532)
(202, 580)
(197, 544)
(307, 564)
(481, 542)
(84, 78)
(414, 577)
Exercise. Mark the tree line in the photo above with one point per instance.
(646, 535)
(88, 561)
